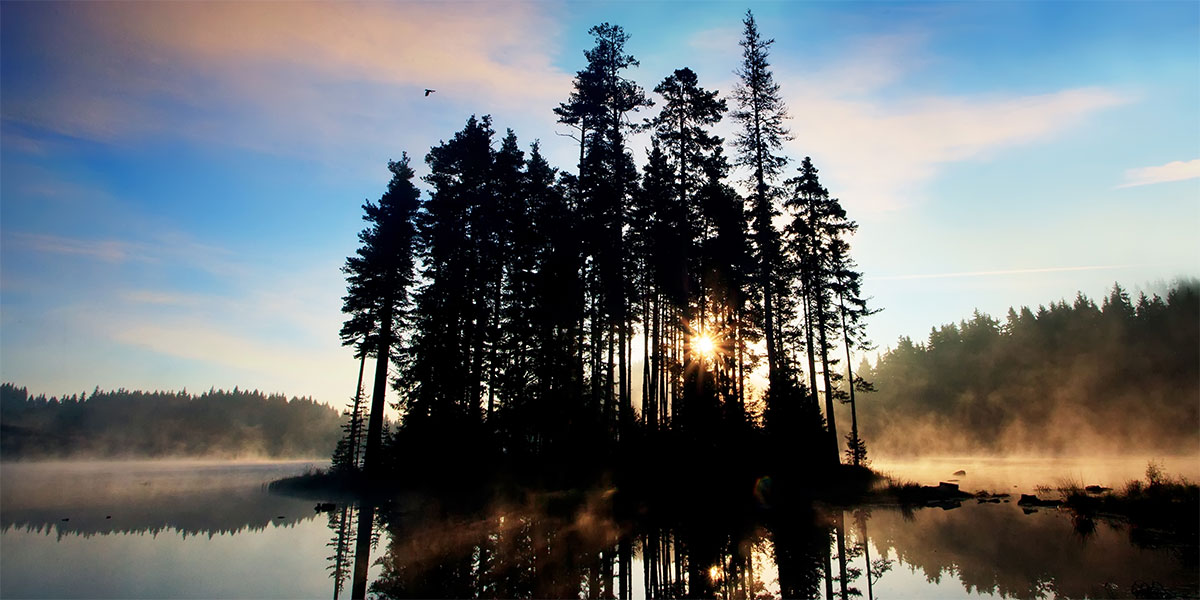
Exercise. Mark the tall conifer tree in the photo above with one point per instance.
(761, 114)
(378, 277)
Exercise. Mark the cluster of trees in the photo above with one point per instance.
(1078, 377)
(128, 423)
(548, 313)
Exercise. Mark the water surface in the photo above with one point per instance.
(211, 530)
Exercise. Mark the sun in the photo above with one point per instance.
(703, 345)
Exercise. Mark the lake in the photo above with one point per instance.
(211, 530)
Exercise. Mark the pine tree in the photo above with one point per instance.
(444, 373)
(761, 114)
(378, 277)
(599, 106)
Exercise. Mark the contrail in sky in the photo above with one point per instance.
(1001, 272)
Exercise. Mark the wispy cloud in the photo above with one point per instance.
(278, 331)
(881, 155)
(721, 40)
(201, 341)
(166, 248)
(880, 144)
(311, 79)
(997, 272)
(1178, 170)
(113, 251)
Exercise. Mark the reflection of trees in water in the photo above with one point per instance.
(528, 551)
(507, 553)
(196, 512)
(995, 549)
(355, 536)
(341, 522)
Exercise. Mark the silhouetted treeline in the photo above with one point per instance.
(1068, 377)
(233, 424)
(536, 316)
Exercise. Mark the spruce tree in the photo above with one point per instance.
(378, 278)
(761, 113)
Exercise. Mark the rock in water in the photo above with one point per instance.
(960, 473)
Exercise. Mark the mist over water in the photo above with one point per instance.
(188, 496)
(157, 529)
(210, 529)
(1025, 473)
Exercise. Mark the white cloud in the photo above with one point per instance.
(878, 143)
(880, 154)
(1178, 170)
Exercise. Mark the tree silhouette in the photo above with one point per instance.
(760, 112)
(534, 284)
(378, 277)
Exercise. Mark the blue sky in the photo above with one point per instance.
(179, 183)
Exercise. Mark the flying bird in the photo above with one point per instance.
(429, 91)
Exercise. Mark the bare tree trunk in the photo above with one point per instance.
(808, 338)
(356, 449)
(609, 382)
(831, 421)
(656, 368)
(371, 458)
(646, 360)
(850, 380)
(493, 350)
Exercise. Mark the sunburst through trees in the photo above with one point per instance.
(539, 294)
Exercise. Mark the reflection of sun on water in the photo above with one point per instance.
(703, 345)
(713, 573)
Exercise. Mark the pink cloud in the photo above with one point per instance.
(303, 78)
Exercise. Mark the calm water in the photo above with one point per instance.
(210, 530)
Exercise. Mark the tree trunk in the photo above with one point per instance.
(831, 421)
(356, 416)
(808, 338)
(850, 380)
(372, 457)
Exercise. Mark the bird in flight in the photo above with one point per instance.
(429, 91)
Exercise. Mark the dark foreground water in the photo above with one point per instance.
(210, 530)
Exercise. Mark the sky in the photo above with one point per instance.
(180, 183)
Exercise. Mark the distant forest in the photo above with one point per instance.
(1118, 377)
(128, 424)
(532, 316)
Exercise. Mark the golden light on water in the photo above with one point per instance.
(703, 345)
(713, 573)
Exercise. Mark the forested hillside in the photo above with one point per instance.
(123, 423)
(1076, 377)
